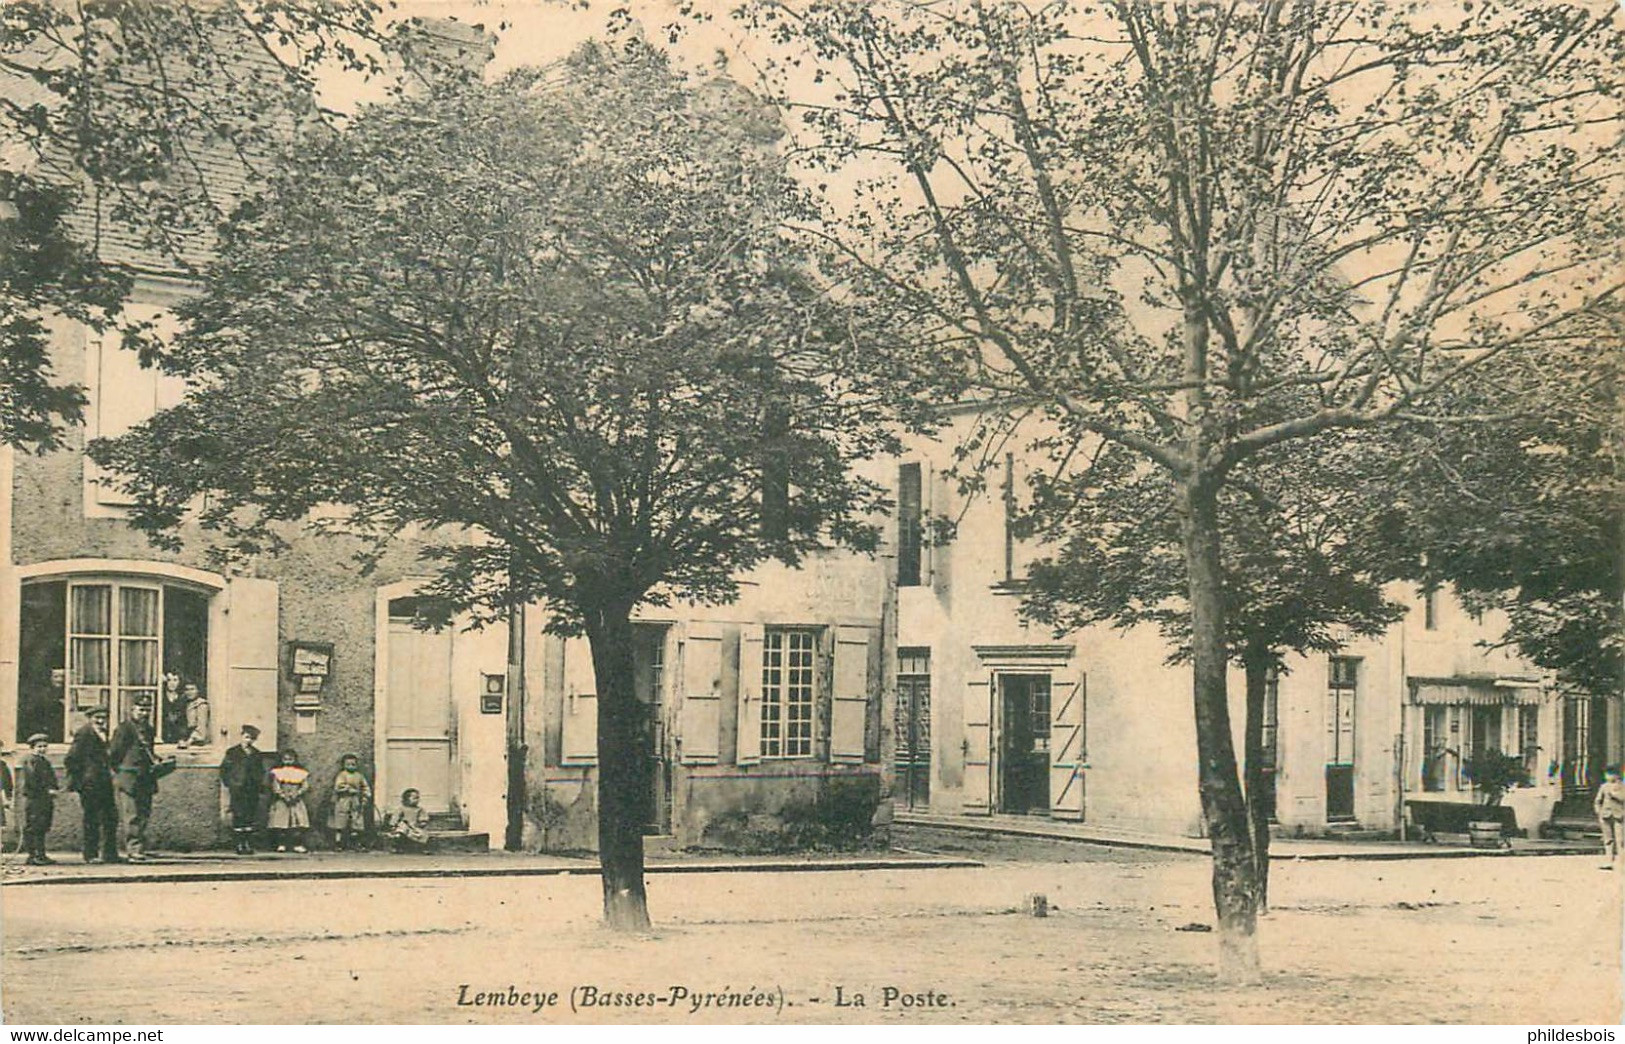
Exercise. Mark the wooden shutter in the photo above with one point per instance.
(580, 707)
(849, 713)
(251, 658)
(749, 732)
(701, 655)
(127, 393)
(1066, 749)
(978, 750)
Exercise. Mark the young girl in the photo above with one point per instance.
(410, 832)
(351, 798)
(288, 818)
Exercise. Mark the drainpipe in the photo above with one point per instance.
(1399, 744)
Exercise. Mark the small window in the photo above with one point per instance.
(908, 525)
(1270, 727)
(1430, 609)
(789, 685)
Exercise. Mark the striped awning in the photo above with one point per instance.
(1478, 692)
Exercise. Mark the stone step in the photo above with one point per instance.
(659, 844)
(459, 841)
(1572, 828)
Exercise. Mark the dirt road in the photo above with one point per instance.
(1521, 940)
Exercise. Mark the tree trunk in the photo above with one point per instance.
(514, 728)
(1235, 870)
(623, 767)
(1259, 772)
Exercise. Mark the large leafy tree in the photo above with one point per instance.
(1208, 232)
(551, 323)
(127, 131)
(1305, 566)
(1517, 497)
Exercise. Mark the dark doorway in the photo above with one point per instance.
(649, 682)
(914, 727)
(1024, 732)
(1585, 743)
(1339, 792)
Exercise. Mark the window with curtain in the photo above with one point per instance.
(110, 642)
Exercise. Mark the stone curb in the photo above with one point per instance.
(315, 873)
(1194, 847)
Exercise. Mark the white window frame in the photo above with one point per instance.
(119, 695)
(789, 685)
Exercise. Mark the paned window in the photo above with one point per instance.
(111, 642)
(789, 670)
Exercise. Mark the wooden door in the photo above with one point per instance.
(914, 740)
(1342, 694)
(419, 745)
(978, 745)
(1068, 750)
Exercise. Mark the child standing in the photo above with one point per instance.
(410, 830)
(1610, 808)
(39, 800)
(351, 797)
(288, 818)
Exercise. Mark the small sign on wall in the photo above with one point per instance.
(309, 666)
(492, 688)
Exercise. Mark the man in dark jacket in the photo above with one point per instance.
(90, 775)
(39, 800)
(242, 774)
(135, 777)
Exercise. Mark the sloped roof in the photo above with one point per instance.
(209, 171)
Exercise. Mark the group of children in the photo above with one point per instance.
(288, 818)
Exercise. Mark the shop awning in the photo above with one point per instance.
(1480, 692)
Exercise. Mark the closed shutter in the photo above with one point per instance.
(580, 707)
(251, 656)
(1066, 750)
(702, 694)
(749, 748)
(978, 752)
(849, 713)
(128, 394)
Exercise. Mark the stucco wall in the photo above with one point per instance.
(322, 597)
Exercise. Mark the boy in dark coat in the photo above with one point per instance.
(39, 800)
(242, 774)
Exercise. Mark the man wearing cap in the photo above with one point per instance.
(39, 800)
(242, 774)
(135, 777)
(90, 775)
